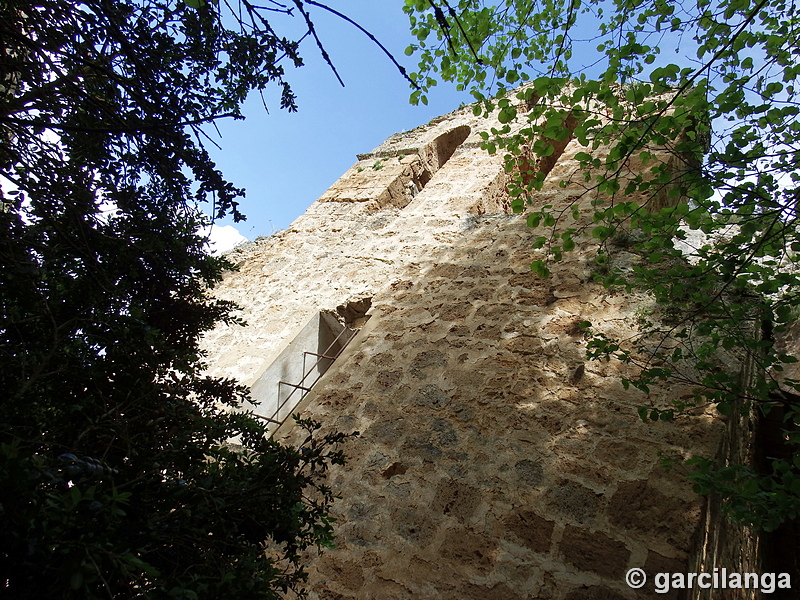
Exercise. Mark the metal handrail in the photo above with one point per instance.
(307, 388)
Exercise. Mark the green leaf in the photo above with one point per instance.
(507, 114)
(540, 269)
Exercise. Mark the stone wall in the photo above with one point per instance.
(494, 461)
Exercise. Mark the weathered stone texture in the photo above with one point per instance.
(494, 461)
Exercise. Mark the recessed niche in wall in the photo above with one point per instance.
(530, 168)
(282, 386)
(433, 156)
(439, 152)
(391, 179)
(537, 167)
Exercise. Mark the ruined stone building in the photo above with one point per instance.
(494, 462)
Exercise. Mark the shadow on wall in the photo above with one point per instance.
(490, 447)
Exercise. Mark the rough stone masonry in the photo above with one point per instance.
(494, 461)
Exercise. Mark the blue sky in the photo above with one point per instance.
(287, 160)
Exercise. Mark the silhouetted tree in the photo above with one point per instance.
(118, 478)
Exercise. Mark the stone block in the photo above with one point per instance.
(529, 529)
(594, 551)
(468, 551)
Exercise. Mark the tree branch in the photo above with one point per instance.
(131, 129)
(313, 31)
(370, 36)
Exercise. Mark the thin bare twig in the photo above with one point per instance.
(370, 36)
(313, 32)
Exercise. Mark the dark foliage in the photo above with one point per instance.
(117, 475)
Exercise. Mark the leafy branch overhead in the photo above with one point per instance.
(713, 230)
